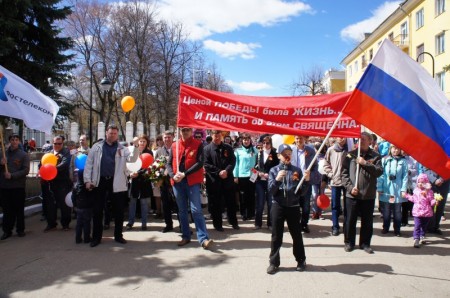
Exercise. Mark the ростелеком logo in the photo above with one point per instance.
(3, 82)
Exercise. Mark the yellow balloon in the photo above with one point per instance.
(127, 103)
(49, 158)
(287, 139)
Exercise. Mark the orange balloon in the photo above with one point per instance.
(323, 201)
(127, 103)
(49, 158)
(48, 172)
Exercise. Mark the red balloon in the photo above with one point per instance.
(147, 160)
(323, 201)
(48, 172)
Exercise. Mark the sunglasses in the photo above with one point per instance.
(198, 137)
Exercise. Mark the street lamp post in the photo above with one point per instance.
(105, 84)
(432, 59)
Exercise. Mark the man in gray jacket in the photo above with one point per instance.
(332, 167)
(13, 173)
(105, 175)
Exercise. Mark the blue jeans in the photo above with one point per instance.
(315, 188)
(262, 196)
(396, 209)
(336, 192)
(185, 195)
(144, 210)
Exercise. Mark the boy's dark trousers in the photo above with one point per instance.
(84, 217)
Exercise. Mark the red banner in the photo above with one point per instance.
(296, 115)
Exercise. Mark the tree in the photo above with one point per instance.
(310, 82)
(32, 47)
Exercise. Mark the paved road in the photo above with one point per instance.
(151, 265)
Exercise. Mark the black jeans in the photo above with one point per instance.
(365, 209)
(167, 203)
(13, 201)
(292, 216)
(118, 201)
(220, 196)
(247, 200)
(56, 198)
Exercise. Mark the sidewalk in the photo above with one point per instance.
(151, 265)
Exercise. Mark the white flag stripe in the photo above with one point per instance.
(19, 99)
(411, 74)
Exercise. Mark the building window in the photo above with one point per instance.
(419, 19)
(356, 66)
(350, 69)
(440, 6)
(440, 43)
(440, 80)
(419, 50)
(371, 54)
(363, 61)
(404, 33)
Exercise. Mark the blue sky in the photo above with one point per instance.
(262, 46)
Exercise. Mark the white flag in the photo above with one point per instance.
(19, 99)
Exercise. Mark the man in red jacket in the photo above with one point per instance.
(185, 168)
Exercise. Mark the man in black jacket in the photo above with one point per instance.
(360, 196)
(219, 162)
(283, 181)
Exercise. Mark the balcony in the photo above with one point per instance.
(401, 41)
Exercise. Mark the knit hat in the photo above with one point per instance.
(422, 178)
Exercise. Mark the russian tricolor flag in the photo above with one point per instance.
(397, 99)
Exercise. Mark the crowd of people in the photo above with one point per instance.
(243, 174)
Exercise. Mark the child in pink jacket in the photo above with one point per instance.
(423, 199)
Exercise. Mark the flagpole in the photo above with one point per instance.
(357, 163)
(3, 148)
(319, 150)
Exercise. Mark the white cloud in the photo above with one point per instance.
(250, 86)
(355, 32)
(202, 18)
(232, 49)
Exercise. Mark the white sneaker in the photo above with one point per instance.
(422, 240)
(416, 243)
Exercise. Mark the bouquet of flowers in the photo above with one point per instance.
(156, 171)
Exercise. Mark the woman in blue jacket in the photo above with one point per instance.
(392, 186)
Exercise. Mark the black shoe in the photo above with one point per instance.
(301, 266)
(404, 224)
(94, 243)
(335, 232)
(398, 234)
(49, 229)
(220, 229)
(167, 229)
(306, 229)
(5, 236)
(106, 227)
(236, 227)
(437, 231)
(144, 228)
(120, 240)
(87, 240)
(348, 247)
(272, 269)
(384, 231)
(367, 249)
(78, 241)
(21, 234)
